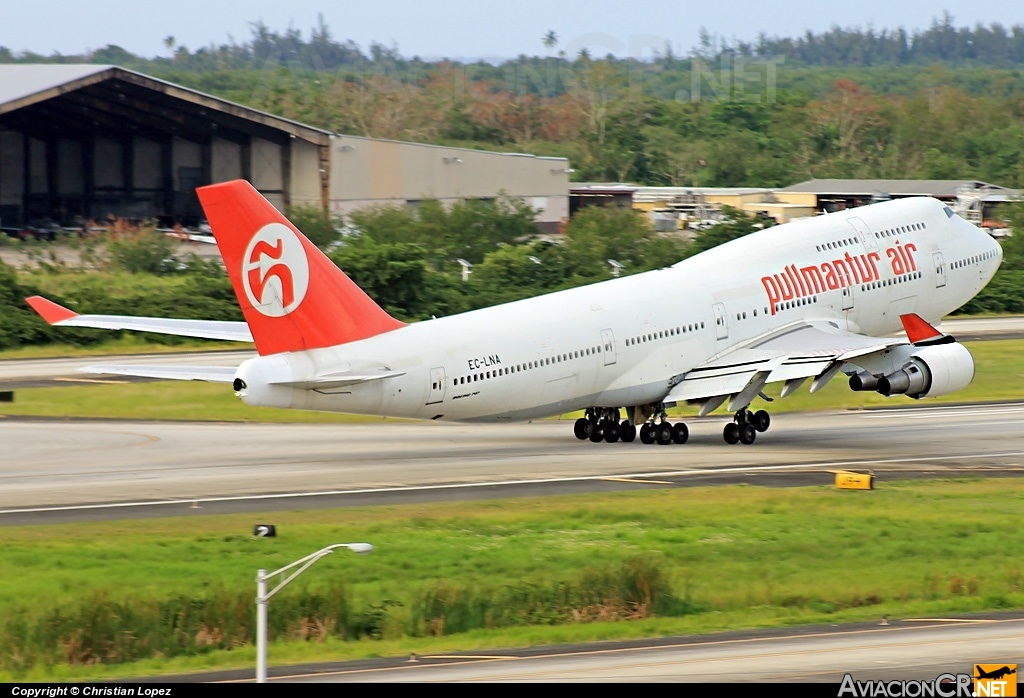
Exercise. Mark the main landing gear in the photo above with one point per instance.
(603, 424)
(745, 425)
(664, 433)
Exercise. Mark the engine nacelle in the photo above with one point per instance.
(931, 371)
(865, 380)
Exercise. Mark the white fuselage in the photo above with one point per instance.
(621, 342)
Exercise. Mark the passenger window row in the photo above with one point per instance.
(786, 305)
(973, 260)
(530, 365)
(900, 230)
(889, 282)
(662, 334)
(845, 242)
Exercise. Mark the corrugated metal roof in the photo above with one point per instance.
(18, 81)
(895, 187)
(25, 84)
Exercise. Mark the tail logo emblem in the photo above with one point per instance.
(275, 270)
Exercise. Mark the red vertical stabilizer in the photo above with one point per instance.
(293, 297)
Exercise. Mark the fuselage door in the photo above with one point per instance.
(847, 290)
(864, 233)
(436, 385)
(721, 325)
(940, 270)
(608, 347)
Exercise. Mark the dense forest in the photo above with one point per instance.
(943, 102)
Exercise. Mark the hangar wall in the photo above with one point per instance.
(366, 172)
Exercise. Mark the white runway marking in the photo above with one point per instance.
(823, 466)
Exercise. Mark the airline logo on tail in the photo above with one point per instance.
(275, 270)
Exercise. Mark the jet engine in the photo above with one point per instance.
(864, 380)
(931, 371)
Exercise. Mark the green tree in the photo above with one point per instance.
(396, 275)
(142, 250)
(19, 324)
(315, 223)
(599, 233)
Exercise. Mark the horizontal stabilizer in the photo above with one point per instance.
(59, 316)
(210, 374)
(339, 379)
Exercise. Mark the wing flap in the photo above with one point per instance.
(800, 351)
(59, 316)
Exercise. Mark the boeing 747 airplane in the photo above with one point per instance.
(802, 301)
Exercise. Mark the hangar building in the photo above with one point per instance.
(87, 142)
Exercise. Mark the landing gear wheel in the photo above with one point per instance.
(611, 431)
(747, 434)
(731, 433)
(580, 428)
(647, 434)
(761, 420)
(627, 432)
(663, 433)
(680, 433)
(594, 432)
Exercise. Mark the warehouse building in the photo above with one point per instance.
(90, 142)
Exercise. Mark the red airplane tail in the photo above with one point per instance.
(292, 296)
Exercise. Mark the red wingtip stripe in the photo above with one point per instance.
(918, 329)
(50, 311)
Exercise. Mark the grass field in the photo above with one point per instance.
(738, 556)
(999, 376)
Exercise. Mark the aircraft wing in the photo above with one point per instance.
(212, 374)
(792, 354)
(226, 374)
(59, 316)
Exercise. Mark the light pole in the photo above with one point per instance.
(262, 596)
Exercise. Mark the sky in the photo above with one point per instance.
(466, 30)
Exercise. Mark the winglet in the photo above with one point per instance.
(917, 328)
(50, 311)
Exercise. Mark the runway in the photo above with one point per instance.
(57, 470)
(917, 649)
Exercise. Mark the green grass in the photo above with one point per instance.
(999, 376)
(747, 556)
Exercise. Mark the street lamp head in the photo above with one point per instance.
(361, 548)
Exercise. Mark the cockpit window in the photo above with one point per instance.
(949, 211)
